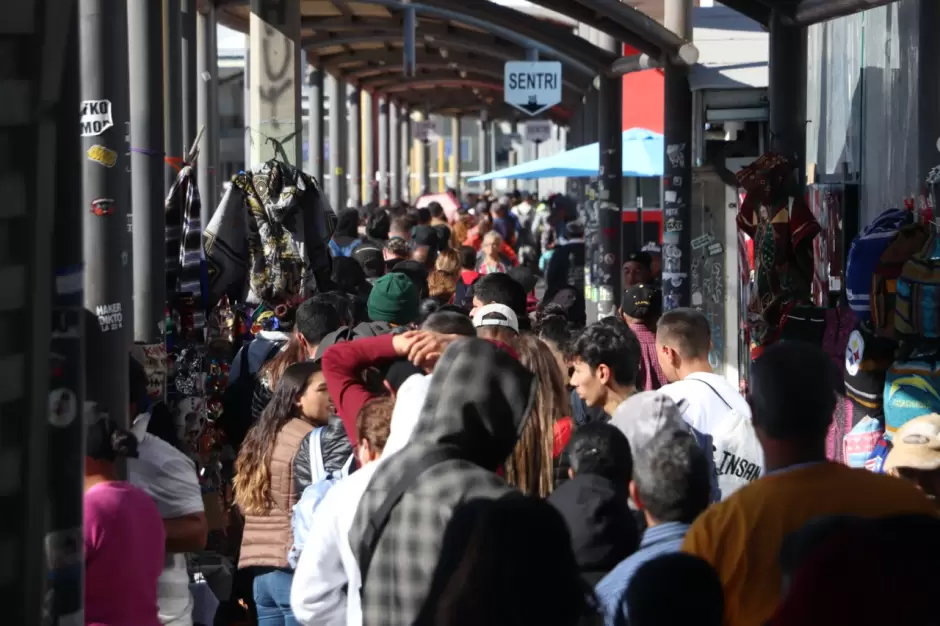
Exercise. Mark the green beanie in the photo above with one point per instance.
(394, 299)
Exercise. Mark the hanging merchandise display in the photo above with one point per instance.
(783, 228)
(269, 234)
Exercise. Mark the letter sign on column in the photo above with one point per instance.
(532, 87)
(96, 117)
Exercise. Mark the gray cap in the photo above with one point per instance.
(641, 416)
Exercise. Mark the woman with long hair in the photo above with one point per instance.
(530, 466)
(448, 261)
(265, 488)
(123, 532)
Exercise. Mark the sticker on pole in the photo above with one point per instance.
(426, 130)
(63, 407)
(532, 87)
(538, 131)
(96, 117)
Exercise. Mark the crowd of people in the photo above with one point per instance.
(440, 438)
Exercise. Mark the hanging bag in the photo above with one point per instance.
(917, 305)
(908, 242)
(864, 254)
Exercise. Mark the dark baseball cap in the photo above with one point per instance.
(643, 258)
(642, 301)
(372, 260)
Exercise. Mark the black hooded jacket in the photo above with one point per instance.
(603, 530)
(478, 401)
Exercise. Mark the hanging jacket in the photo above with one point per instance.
(478, 401)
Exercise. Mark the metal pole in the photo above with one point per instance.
(206, 86)
(104, 107)
(66, 438)
(213, 129)
(367, 117)
(354, 145)
(608, 189)
(172, 91)
(426, 162)
(395, 128)
(455, 144)
(315, 123)
(145, 58)
(188, 62)
(41, 182)
(246, 106)
(383, 151)
(677, 168)
(407, 138)
(484, 148)
(336, 92)
(787, 89)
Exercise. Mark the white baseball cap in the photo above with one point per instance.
(507, 317)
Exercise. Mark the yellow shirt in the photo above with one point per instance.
(741, 537)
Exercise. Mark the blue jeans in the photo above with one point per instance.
(272, 598)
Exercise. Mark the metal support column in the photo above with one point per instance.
(206, 109)
(384, 152)
(336, 92)
(455, 144)
(106, 194)
(188, 61)
(369, 187)
(172, 92)
(426, 161)
(677, 168)
(246, 106)
(276, 116)
(787, 87)
(407, 139)
(604, 215)
(394, 152)
(145, 57)
(485, 148)
(354, 145)
(315, 123)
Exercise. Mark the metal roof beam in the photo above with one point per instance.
(625, 23)
(809, 12)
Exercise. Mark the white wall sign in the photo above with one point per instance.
(110, 316)
(96, 117)
(538, 130)
(425, 130)
(532, 87)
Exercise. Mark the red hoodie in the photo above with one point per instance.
(343, 364)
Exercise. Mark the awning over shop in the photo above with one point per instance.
(642, 156)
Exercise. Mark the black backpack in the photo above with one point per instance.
(236, 403)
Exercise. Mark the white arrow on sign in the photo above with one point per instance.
(538, 130)
(532, 87)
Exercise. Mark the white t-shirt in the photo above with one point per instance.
(169, 476)
(704, 409)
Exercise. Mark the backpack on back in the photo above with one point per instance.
(912, 388)
(236, 402)
(347, 250)
(917, 305)
(865, 252)
(320, 482)
(909, 241)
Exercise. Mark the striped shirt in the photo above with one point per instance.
(611, 591)
(651, 376)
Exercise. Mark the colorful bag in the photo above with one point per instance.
(858, 445)
(909, 241)
(912, 389)
(864, 254)
(917, 306)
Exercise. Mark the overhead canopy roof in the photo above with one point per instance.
(461, 47)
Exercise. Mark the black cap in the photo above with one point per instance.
(372, 260)
(643, 258)
(642, 301)
(425, 236)
(524, 277)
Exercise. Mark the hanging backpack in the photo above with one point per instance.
(864, 253)
(337, 250)
(909, 241)
(917, 305)
(912, 388)
(320, 482)
(236, 417)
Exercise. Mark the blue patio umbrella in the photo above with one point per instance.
(642, 156)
